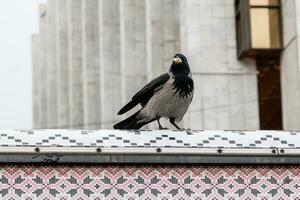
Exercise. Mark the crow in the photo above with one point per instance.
(167, 96)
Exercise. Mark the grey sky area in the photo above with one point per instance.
(18, 20)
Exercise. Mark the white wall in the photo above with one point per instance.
(225, 88)
(290, 64)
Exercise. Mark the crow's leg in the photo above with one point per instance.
(160, 126)
(172, 121)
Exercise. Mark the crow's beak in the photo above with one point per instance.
(177, 60)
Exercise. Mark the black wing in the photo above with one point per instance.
(145, 93)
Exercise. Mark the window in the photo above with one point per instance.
(258, 28)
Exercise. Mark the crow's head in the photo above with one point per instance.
(180, 65)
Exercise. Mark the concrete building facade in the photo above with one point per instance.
(75, 57)
(51, 63)
(99, 53)
(290, 64)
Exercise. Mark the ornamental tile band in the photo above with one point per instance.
(151, 138)
(149, 146)
(149, 182)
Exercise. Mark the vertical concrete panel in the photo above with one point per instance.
(92, 111)
(296, 9)
(208, 39)
(110, 62)
(133, 47)
(35, 81)
(290, 87)
(289, 21)
(209, 102)
(43, 73)
(222, 102)
(250, 91)
(290, 64)
(194, 118)
(165, 35)
(52, 64)
(236, 99)
(76, 64)
(63, 65)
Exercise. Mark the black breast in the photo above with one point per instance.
(183, 85)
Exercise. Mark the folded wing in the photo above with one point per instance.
(143, 96)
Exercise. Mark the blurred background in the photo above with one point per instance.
(18, 20)
(89, 57)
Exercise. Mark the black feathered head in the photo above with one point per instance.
(183, 83)
(180, 65)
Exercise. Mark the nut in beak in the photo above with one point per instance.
(177, 60)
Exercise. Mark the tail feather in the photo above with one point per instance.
(132, 122)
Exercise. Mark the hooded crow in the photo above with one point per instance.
(167, 96)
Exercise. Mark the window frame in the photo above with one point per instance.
(243, 31)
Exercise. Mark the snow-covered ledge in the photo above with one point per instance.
(149, 146)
